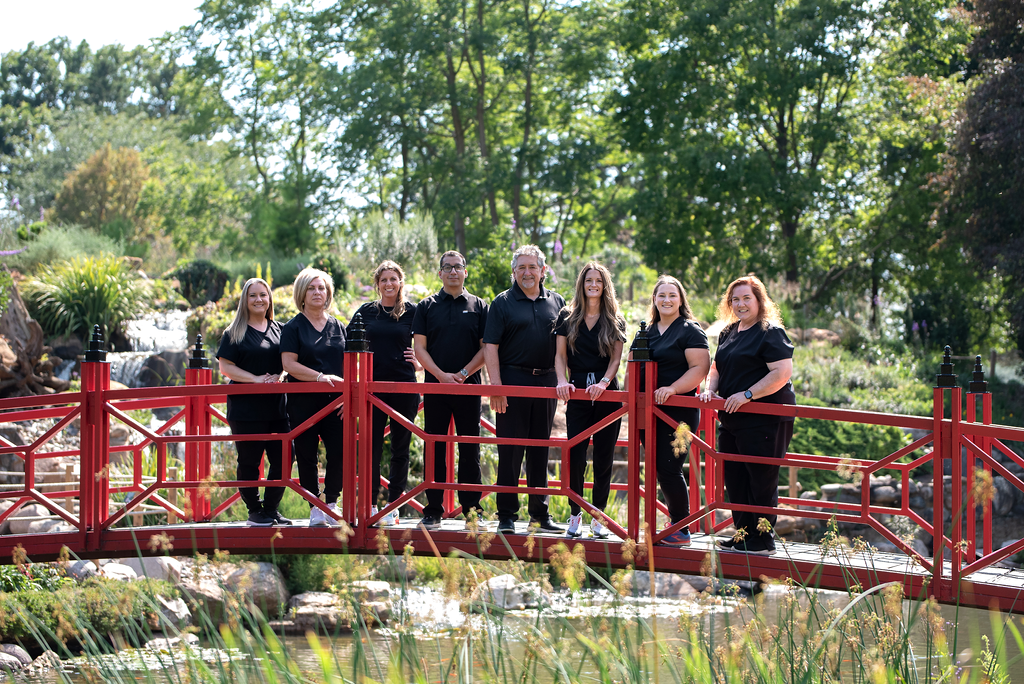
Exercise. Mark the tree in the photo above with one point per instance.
(104, 193)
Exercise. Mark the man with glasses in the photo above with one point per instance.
(447, 338)
(519, 347)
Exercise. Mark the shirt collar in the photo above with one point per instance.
(443, 294)
(517, 292)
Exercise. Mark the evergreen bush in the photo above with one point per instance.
(200, 281)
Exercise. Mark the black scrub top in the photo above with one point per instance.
(669, 350)
(319, 350)
(587, 357)
(258, 353)
(453, 327)
(741, 361)
(388, 340)
(524, 329)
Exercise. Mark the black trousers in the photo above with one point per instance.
(331, 430)
(530, 419)
(754, 484)
(580, 415)
(438, 411)
(407, 405)
(668, 464)
(250, 456)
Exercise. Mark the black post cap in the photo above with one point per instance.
(357, 341)
(96, 352)
(198, 360)
(639, 348)
(978, 384)
(946, 376)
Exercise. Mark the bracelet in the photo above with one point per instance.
(319, 376)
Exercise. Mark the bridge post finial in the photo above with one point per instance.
(357, 341)
(96, 352)
(946, 376)
(639, 349)
(978, 383)
(198, 360)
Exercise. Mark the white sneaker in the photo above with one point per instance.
(597, 529)
(574, 525)
(390, 519)
(331, 521)
(317, 518)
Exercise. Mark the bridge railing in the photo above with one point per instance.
(97, 406)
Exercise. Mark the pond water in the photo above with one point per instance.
(435, 630)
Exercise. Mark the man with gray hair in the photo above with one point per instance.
(519, 349)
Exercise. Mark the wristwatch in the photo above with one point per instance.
(749, 395)
(464, 373)
(606, 381)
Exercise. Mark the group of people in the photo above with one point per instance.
(527, 336)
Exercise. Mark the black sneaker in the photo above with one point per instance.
(727, 544)
(430, 522)
(757, 547)
(506, 526)
(547, 524)
(259, 519)
(278, 518)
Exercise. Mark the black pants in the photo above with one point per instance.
(754, 484)
(250, 455)
(580, 415)
(407, 405)
(330, 429)
(438, 411)
(668, 464)
(527, 418)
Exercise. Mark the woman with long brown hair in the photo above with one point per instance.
(590, 332)
(680, 348)
(753, 362)
(388, 322)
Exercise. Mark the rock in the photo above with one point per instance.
(165, 368)
(884, 495)
(504, 592)
(173, 613)
(82, 569)
(1005, 496)
(831, 491)
(786, 525)
(42, 526)
(117, 571)
(263, 587)
(48, 661)
(881, 481)
(156, 567)
(119, 436)
(18, 652)
(203, 590)
(320, 612)
(666, 585)
(18, 524)
(172, 643)
(365, 591)
(10, 663)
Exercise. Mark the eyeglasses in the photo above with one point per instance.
(448, 268)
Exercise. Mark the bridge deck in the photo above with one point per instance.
(838, 569)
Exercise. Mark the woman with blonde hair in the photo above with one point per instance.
(680, 348)
(388, 322)
(313, 350)
(590, 332)
(753, 363)
(250, 352)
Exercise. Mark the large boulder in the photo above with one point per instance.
(18, 652)
(666, 585)
(20, 521)
(174, 613)
(9, 663)
(203, 588)
(156, 567)
(82, 569)
(117, 571)
(320, 612)
(505, 592)
(262, 584)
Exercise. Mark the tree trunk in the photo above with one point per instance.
(22, 373)
(789, 227)
(459, 135)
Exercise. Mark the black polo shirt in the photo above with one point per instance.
(453, 327)
(388, 340)
(258, 353)
(586, 357)
(320, 350)
(524, 329)
(742, 361)
(669, 349)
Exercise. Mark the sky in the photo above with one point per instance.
(101, 22)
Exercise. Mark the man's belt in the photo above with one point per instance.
(531, 371)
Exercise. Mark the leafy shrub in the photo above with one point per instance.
(70, 297)
(60, 243)
(210, 319)
(401, 241)
(490, 271)
(200, 281)
(103, 604)
(333, 265)
(36, 577)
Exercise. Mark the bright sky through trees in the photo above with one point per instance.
(101, 22)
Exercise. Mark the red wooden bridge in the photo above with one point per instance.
(963, 566)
